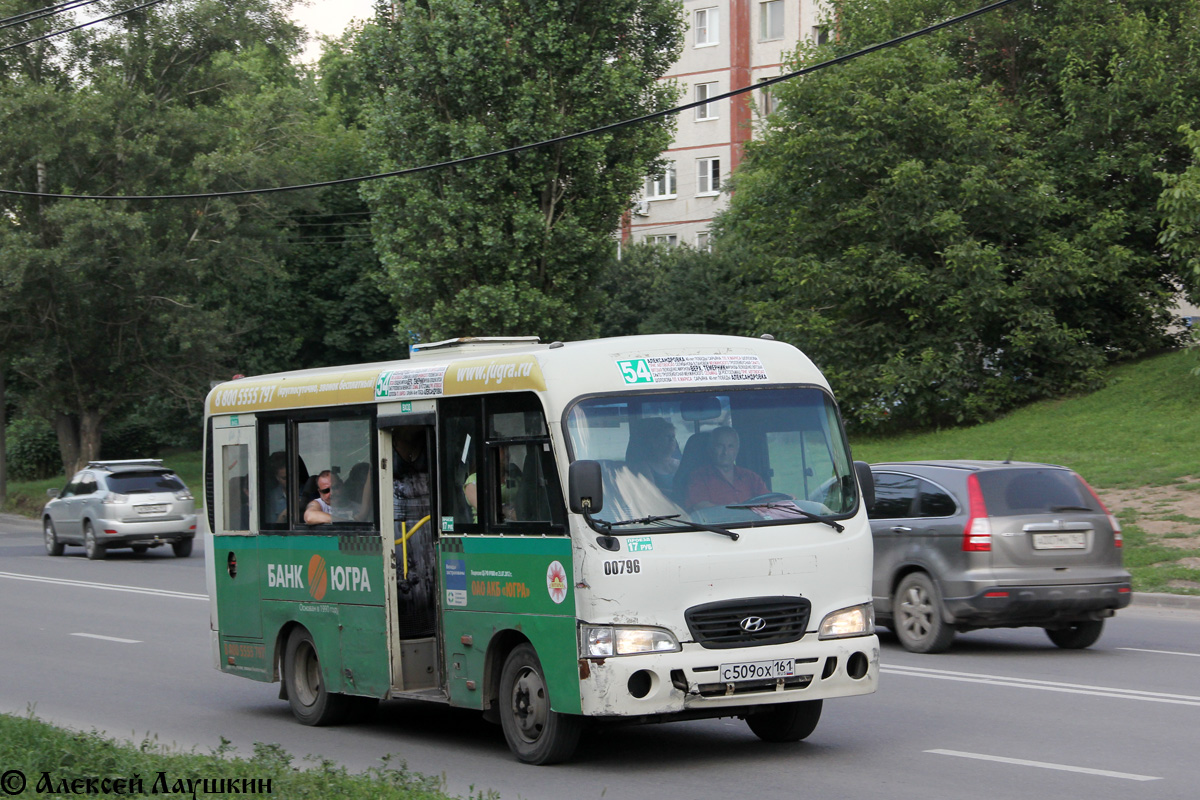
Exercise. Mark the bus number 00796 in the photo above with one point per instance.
(629, 566)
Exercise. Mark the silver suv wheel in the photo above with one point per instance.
(918, 616)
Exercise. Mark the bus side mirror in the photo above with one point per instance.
(585, 487)
(866, 483)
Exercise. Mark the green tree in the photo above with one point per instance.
(106, 302)
(514, 244)
(1180, 207)
(969, 221)
(654, 288)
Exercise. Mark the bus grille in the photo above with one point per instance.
(736, 623)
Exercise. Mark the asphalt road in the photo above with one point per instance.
(122, 646)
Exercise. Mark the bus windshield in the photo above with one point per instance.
(726, 457)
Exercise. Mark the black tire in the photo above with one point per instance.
(139, 548)
(53, 546)
(788, 722)
(1077, 635)
(95, 551)
(535, 733)
(311, 702)
(917, 616)
(182, 548)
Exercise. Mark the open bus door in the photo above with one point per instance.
(408, 440)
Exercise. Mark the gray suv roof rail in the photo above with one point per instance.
(133, 462)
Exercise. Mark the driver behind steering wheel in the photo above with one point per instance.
(721, 481)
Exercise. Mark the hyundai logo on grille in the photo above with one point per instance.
(752, 624)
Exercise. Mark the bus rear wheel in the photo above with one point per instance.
(312, 703)
(535, 733)
(787, 722)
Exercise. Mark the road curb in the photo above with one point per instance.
(1162, 600)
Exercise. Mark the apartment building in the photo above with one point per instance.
(730, 44)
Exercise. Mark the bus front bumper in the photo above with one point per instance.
(709, 681)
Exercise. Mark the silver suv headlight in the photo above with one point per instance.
(605, 641)
(847, 622)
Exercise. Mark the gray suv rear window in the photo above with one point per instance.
(144, 482)
(1009, 492)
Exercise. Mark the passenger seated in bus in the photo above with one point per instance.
(653, 451)
(277, 494)
(471, 492)
(721, 481)
(357, 479)
(332, 503)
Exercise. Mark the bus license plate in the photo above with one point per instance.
(1059, 541)
(758, 670)
(151, 509)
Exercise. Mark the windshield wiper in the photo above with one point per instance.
(1072, 508)
(666, 518)
(830, 521)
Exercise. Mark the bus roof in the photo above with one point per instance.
(561, 370)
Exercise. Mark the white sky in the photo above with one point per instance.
(329, 17)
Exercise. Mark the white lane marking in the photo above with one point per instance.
(108, 638)
(1160, 652)
(1104, 773)
(1045, 686)
(111, 587)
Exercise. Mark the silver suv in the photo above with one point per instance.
(112, 504)
(961, 545)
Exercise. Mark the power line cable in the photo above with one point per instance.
(43, 13)
(83, 25)
(536, 145)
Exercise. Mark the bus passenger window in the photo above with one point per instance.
(522, 491)
(340, 489)
(235, 460)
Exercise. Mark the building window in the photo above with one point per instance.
(708, 176)
(770, 20)
(820, 34)
(662, 186)
(768, 100)
(704, 242)
(707, 27)
(668, 239)
(703, 92)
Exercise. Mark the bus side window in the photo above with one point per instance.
(234, 467)
(340, 452)
(273, 475)
(461, 464)
(522, 479)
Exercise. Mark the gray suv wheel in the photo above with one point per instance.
(917, 610)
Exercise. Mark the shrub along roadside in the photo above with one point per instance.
(41, 752)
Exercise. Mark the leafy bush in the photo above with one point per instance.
(32, 450)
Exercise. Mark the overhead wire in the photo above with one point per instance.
(547, 142)
(82, 25)
(43, 13)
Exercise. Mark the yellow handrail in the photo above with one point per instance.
(405, 535)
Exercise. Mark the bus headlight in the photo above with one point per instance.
(846, 622)
(604, 641)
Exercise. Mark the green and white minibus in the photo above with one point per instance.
(636, 529)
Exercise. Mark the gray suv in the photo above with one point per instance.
(961, 545)
(112, 504)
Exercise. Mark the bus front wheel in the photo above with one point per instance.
(308, 696)
(535, 733)
(787, 722)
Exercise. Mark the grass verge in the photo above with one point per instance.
(40, 752)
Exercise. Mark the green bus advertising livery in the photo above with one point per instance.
(638, 529)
